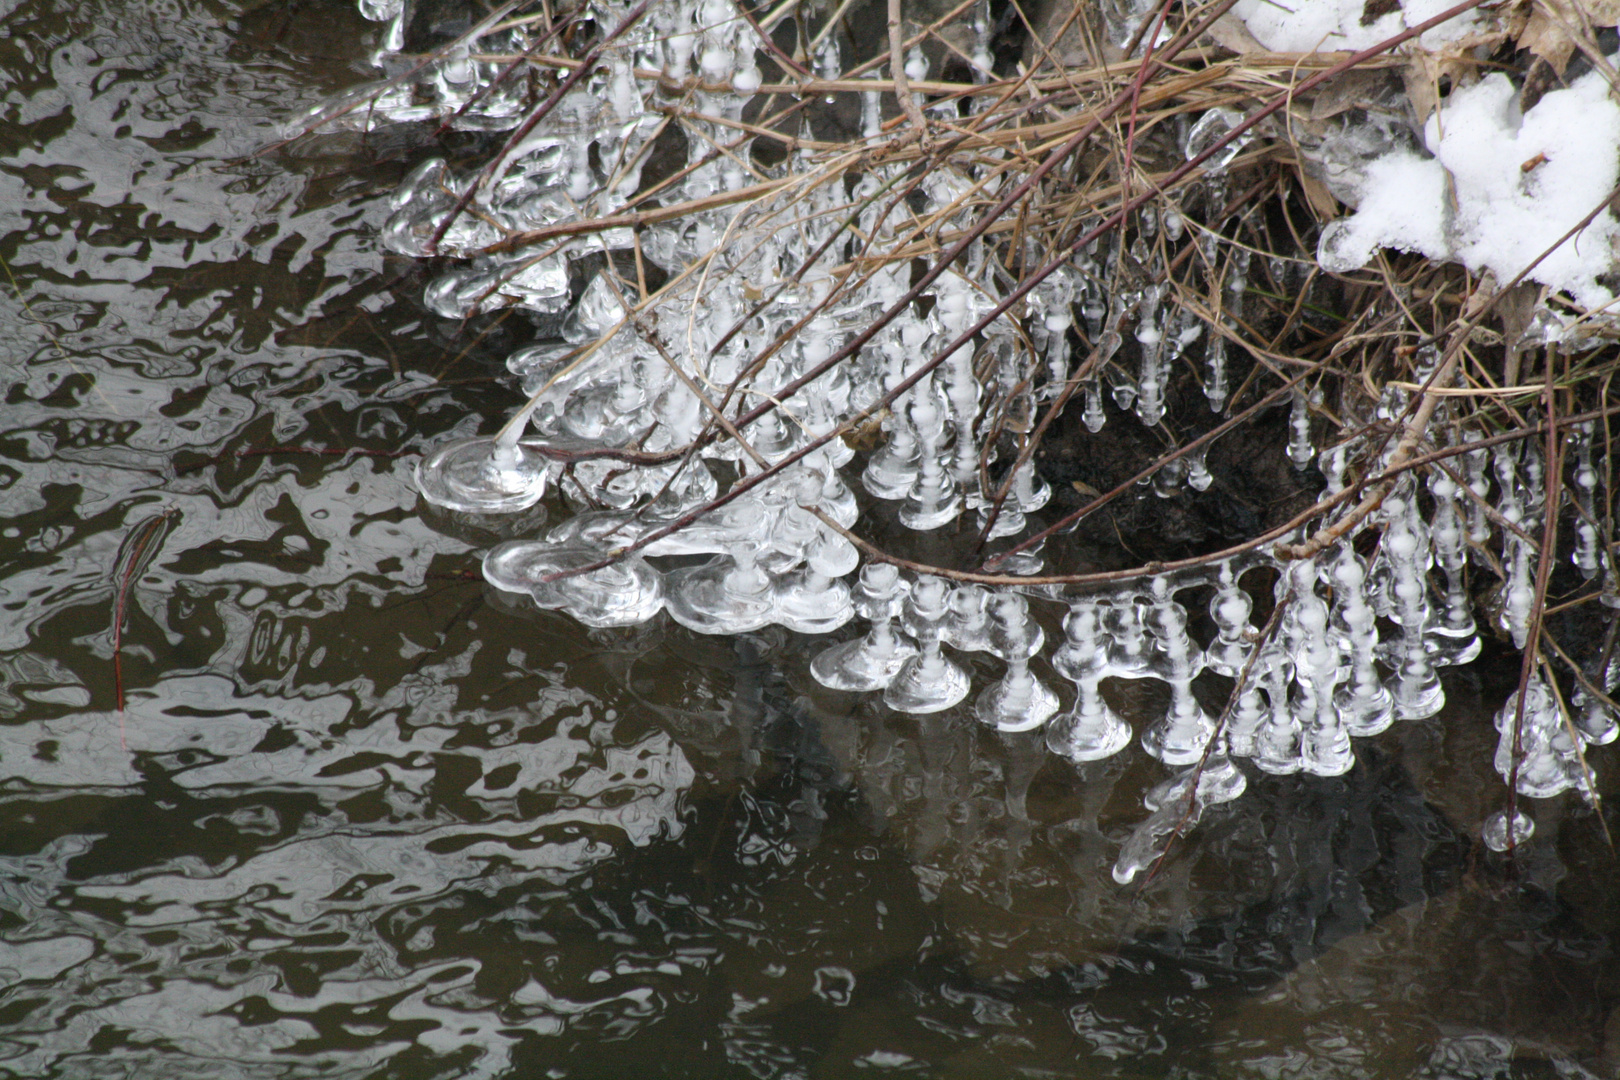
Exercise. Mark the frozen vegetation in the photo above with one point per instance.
(725, 325)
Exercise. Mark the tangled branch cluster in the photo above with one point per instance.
(964, 247)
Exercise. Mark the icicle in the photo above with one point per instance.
(1093, 416)
(1325, 744)
(730, 594)
(1027, 494)
(1535, 483)
(1208, 131)
(1417, 690)
(1090, 731)
(933, 500)
(927, 682)
(1057, 299)
(1173, 813)
(1363, 701)
(956, 314)
(967, 627)
(1150, 839)
(1229, 609)
(870, 662)
(1150, 377)
(1475, 463)
(1215, 388)
(1181, 736)
(1124, 388)
(871, 112)
(1168, 480)
(813, 599)
(1276, 743)
(892, 471)
(1250, 715)
(1300, 450)
(1093, 309)
(1199, 477)
(983, 26)
(1237, 283)
(1019, 702)
(1518, 595)
(1453, 639)
(1131, 655)
(1548, 762)
(1594, 720)
(1587, 548)
(1333, 462)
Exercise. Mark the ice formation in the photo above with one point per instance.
(1358, 632)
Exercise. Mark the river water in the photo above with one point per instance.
(360, 818)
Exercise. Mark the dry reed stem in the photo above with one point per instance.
(1023, 130)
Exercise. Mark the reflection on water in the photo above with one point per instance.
(361, 818)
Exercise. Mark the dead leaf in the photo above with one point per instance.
(1229, 32)
(1356, 88)
(1547, 39)
(1421, 88)
(1515, 307)
(1552, 30)
(1323, 204)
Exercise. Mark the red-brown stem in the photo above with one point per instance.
(1549, 541)
(506, 72)
(534, 118)
(1266, 633)
(1025, 286)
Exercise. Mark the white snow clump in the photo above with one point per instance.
(1518, 183)
(1335, 25)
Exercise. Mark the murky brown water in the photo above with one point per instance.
(359, 819)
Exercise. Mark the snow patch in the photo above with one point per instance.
(1518, 183)
(1337, 26)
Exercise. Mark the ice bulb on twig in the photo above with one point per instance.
(926, 682)
(1091, 730)
(870, 662)
(1019, 701)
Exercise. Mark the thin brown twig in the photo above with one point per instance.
(1241, 683)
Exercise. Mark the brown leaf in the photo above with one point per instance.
(1422, 89)
(1555, 25)
(1547, 39)
(1515, 308)
(1358, 87)
(1229, 32)
(1323, 204)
